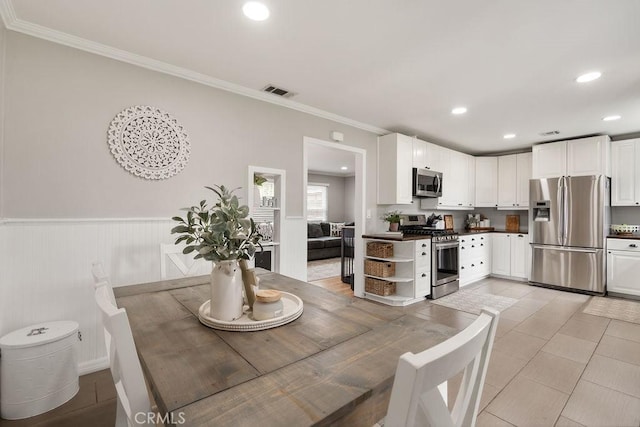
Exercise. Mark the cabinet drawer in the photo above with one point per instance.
(423, 245)
(423, 282)
(423, 258)
(624, 245)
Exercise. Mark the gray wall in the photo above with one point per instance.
(625, 215)
(349, 199)
(3, 37)
(341, 194)
(60, 101)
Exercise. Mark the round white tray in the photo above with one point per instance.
(292, 309)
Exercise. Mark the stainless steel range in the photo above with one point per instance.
(444, 252)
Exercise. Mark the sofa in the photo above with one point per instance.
(323, 241)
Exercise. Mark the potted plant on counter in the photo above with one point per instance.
(393, 218)
(225, 235)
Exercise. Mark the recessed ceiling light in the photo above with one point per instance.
(344, 168)
(255, 10)
(459, 110)
(589, 77)
(611, 118)
(509, 136)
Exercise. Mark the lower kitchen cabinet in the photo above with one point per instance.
(474, 257)
(510, 255)
(411, 276)
(623, 264)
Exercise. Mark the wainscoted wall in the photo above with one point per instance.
(46, 270)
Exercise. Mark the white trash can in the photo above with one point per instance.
(39, 367)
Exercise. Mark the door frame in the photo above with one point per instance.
(359, 202)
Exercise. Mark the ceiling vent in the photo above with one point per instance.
(278, 91)
(550, 133)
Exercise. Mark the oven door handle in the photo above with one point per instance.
(445, 245)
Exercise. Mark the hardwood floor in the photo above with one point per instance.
(334, 284)
(94, 405)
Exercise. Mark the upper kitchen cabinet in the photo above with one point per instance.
(486, 182)
(395, 159)
(426, 155)
(458, 179)
(625, 173)
(514, 172)
(578, 157)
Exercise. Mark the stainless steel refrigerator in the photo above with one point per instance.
(570, 220)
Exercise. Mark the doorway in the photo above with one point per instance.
(326, 165)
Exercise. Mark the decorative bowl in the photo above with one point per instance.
(624, 228)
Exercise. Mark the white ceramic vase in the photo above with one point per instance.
(226, 291)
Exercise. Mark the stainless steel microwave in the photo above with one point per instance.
(427, 183)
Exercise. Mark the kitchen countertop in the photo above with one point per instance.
(496, 230)
(619, 236)
(410, 237)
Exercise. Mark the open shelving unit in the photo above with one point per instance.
(408, 268)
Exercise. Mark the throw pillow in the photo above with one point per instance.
(336, 228)
(314, 230)
(326, 228)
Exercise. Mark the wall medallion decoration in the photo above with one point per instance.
(149, 142)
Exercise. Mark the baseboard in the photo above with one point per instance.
(94, 365)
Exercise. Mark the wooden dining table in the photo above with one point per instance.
(334, 365)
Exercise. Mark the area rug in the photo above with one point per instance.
(626, 310)
(472, 302)
(323, 268)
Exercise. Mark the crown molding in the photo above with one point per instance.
(13, 23)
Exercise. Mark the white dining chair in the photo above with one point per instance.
(133, 398)
(174, 253)
(416, 399)
(101, 278)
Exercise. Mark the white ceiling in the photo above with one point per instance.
(329, 161)
(386, 65)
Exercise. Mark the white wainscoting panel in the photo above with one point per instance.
(293, 250)
(46, 271)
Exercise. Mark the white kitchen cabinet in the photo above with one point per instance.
(486, 183)
(519, 255)
(577, 157)
(395, 157)
(623, 264)
(514, 172)
(523, 175)
(420, 154)
(457, 181)
(474, 257)
(507, 185)
(625, 173)
(501, 254)
(412, 277)
(510, 255)
(426, 155)
(549, 160)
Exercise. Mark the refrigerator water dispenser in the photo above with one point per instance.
(541, 210)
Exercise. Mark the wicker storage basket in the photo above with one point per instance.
(379, 287)
(380, 249)
(379, 268)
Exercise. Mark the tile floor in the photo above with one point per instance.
(551, 365)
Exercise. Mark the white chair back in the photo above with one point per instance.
(100, 278)
(187, 266)
(133, 398)
(415, 398)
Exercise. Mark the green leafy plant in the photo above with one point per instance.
(259, 179)
(391, 217)
(221, 232)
